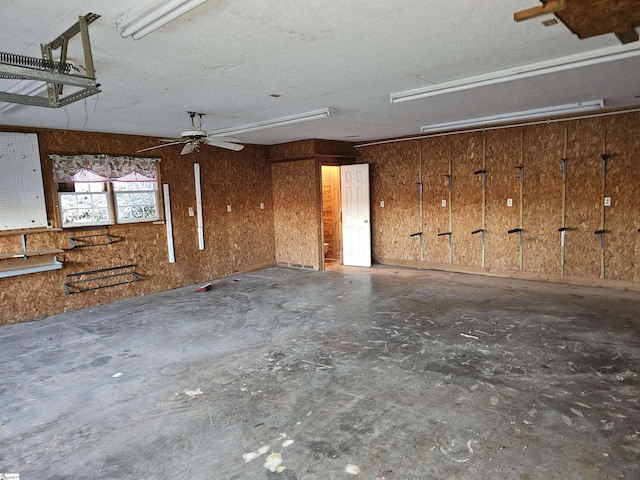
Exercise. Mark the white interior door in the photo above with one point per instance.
(356, 222)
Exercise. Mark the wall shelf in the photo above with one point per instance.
(22, 266)
(29, 261)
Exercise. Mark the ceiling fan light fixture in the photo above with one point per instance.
(538, 113)
(276, 122)
(158, 16)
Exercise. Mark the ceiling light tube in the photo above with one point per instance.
(158, 17)
(23, 87)
(276, 122)
(537, 113)
(586, 59)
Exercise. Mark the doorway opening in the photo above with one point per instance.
(331, 217)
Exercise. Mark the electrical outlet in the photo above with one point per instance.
(228, 208)
(607, 201)
(509, 202)
(381, 203)
(444, 202)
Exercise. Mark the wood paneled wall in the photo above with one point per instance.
(331, 224)
(236, 241)
(297, 205)
(536, 204)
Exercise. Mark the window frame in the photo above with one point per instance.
(112, 205)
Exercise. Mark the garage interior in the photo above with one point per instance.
(496, 334)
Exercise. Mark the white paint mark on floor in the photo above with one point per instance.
(253, 455)
(273, 463)
(577, 413)
(286, 443)
(193, 393)
(352, 469)
(567, 420)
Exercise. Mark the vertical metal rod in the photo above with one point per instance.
(484, 189)
(602, 206)
(86, 47)
(52, 88)
(564, 200)
(450, 203)
(421, 206)
(521, 172)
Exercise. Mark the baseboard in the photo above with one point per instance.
(543, 277)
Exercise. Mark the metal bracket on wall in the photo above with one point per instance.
(80, 242)
(450, 236)
(97, 279)
(56, 74)
(601, 233)
(480, 230)
(516, 230)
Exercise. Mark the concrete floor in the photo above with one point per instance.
(396, 373)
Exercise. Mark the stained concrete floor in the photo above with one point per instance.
(397, 373)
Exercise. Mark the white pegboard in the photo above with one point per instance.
(22, 202)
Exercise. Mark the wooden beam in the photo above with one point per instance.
(549, 7)
(627, 34)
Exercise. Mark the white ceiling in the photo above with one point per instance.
(227, 57)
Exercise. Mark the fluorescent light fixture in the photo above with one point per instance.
(515, 116)
(23, 87)
(276, 122)
(586, 59)
(157, 17)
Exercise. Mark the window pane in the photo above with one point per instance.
(133, 186)
(81, 208)
(136, 205)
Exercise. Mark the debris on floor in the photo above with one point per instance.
(193, 393)
(253, 455)
(352, 469)
(273, 463)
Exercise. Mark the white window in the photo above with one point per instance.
(136, 201)
(105, 203)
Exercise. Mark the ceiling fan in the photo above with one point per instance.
(195, 137)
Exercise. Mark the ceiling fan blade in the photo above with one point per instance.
(188, 148)
(226, 139)
(158, 146)
(172, 139)
(214, 142)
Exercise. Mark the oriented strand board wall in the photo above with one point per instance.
(623, 186)
(331, 211)
(543, 154)
(394, 177)
(584, 196)
(540, 150)
(503, 155)
(297, 212)
(435, 183)
(466, 202)
(236, 241)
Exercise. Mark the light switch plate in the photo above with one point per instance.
(261, 206)
(191, 212)
(381, 203)
(444, 202)
(228, 208)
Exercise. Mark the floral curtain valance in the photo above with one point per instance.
(103, 168)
